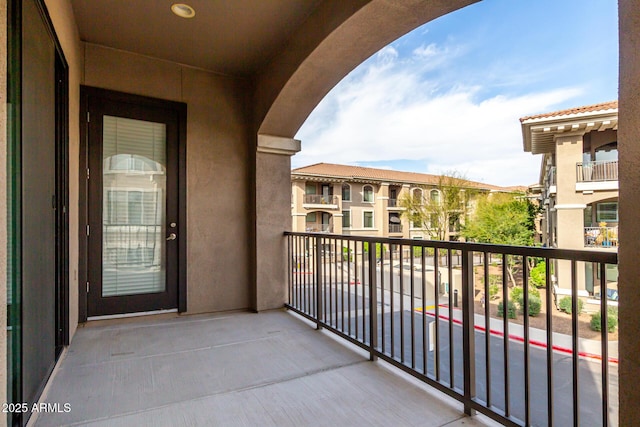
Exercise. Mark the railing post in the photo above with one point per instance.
(373, 302)
(318, 276)
(468, 335)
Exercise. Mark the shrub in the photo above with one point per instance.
(517, 295)
(511, 309)
(565, 305)
(612, 320)
(535, 303)
(494, 289)
(537, 276)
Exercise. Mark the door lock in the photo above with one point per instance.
(172, 236)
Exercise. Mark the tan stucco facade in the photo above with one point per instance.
(368, 206)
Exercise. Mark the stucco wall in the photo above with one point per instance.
(273, 217)
(629, 167)
(218, 249)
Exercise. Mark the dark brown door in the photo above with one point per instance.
(133, 217)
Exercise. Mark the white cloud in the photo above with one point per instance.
(426, 51)
(389, 110)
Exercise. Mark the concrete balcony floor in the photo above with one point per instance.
(240, 369)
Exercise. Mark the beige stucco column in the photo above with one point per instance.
(570, 205)
(380, 214)
(629, 250)
(272, 218)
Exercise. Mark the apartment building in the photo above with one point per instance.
(578, 184)
(363, 201)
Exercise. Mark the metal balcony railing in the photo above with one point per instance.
(601, 237)
(423, 314)
(395, 228)
(551, 176)
(320, 228)
(597, 171)
(317, 199)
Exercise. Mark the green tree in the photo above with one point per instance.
(437, 211)
(503, 219)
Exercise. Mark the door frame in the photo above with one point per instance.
(180, 109)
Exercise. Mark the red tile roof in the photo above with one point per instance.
(612, 105)
(330, 170)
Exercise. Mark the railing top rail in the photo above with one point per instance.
(531, 251)
(597, 162)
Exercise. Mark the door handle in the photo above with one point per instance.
(172, 236)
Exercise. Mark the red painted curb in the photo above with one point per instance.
(536, 343)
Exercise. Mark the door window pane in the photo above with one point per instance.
(134, 190)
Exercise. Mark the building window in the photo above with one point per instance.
(607, 153)
(434, 220)
(367, 219)
(346, 193)
(311, 217)
(346, 219)
(588, 216)
(607, 212)
(417, 195)
(367, 193)
(310, 188)
(435, 196)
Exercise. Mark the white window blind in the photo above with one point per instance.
(134, 200)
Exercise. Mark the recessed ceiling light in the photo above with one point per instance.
(183, 10)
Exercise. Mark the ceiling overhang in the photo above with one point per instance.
(539, 134)
(234, 38)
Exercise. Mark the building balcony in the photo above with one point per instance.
(395, 228)
(312, 201)
(601, 237)
(428, 362)
(394, 205)
(319, 228)
(600, 175)
(550, 183)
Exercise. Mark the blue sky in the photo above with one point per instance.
(448, 95)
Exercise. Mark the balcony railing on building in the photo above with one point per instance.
(597, 171)
(426, 310)
(317, 199)
(551, 176)
(319, 228)
(549, 187)
(395, 228)
(601, 237)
